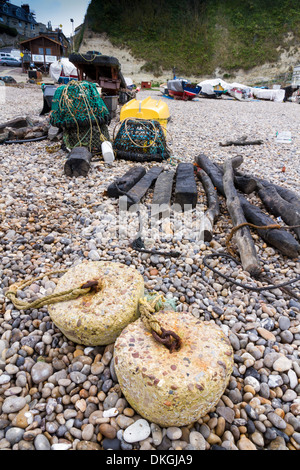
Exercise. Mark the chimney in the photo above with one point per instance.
(26, 7)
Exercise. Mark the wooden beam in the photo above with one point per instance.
(213, 207)
(243, 236)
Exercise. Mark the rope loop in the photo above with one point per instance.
(88, 287)
(166, 337)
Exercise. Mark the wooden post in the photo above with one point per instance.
(279, 207)
(279, 238)
(243, 237)
(78, 162)
(126, 182)
(161, 202)
(138, 191)
(185, 194)
(213, 207)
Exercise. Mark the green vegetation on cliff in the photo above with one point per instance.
(197, 36)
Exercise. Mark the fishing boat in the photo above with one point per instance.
(183, 89)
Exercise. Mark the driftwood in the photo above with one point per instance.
(279, 238)
(16, 123)
(213, 207)
(285, 193)
(186, 193)
(161, 202)
(244, 183)
(229, 143)
(243, 236)
(279, 207)
(78, 162)
(22, 129)
(138, 191)
(212, 170)
(126, 182)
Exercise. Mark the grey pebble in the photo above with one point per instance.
(41, 371)
(276, 420)
(41, 442)
(13, 404)
(14, 435)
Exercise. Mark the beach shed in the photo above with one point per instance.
(42, 51)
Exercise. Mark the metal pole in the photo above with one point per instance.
(72, 21)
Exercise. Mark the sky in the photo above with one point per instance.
(58, 12)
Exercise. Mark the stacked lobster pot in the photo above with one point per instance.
(78, 109)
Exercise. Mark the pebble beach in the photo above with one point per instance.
(58, 395)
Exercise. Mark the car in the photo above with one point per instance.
(10, 61)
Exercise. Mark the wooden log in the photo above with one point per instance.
(229, 143)
(285, 193)
(138, 191)
(246, 185)
(243, 236)
(242, 182)
(126, 182)
(78, 162)
(3, 135)
(185, 194)
(215, 173)
(279, 207)
(281, 239)
(16, 123)
(161, 202)
(213, 207)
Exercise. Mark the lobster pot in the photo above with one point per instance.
(77, 103)
(141, 140)
(86, 136)
(178, 388)
(98, 318)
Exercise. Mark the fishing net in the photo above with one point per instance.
(140, 140)
(86, 136)
(79, 110)
(78, 103)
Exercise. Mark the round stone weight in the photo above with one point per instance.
(98, 318)
(178, 388)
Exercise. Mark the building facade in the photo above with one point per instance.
(20, 18)
(41, 51)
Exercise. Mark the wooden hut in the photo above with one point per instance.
(42, 51)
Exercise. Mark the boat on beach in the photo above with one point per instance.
(180, 88)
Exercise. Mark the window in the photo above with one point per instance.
(1, 19)
(41, 50)
(48, 51)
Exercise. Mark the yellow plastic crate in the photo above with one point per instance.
(148, 108)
